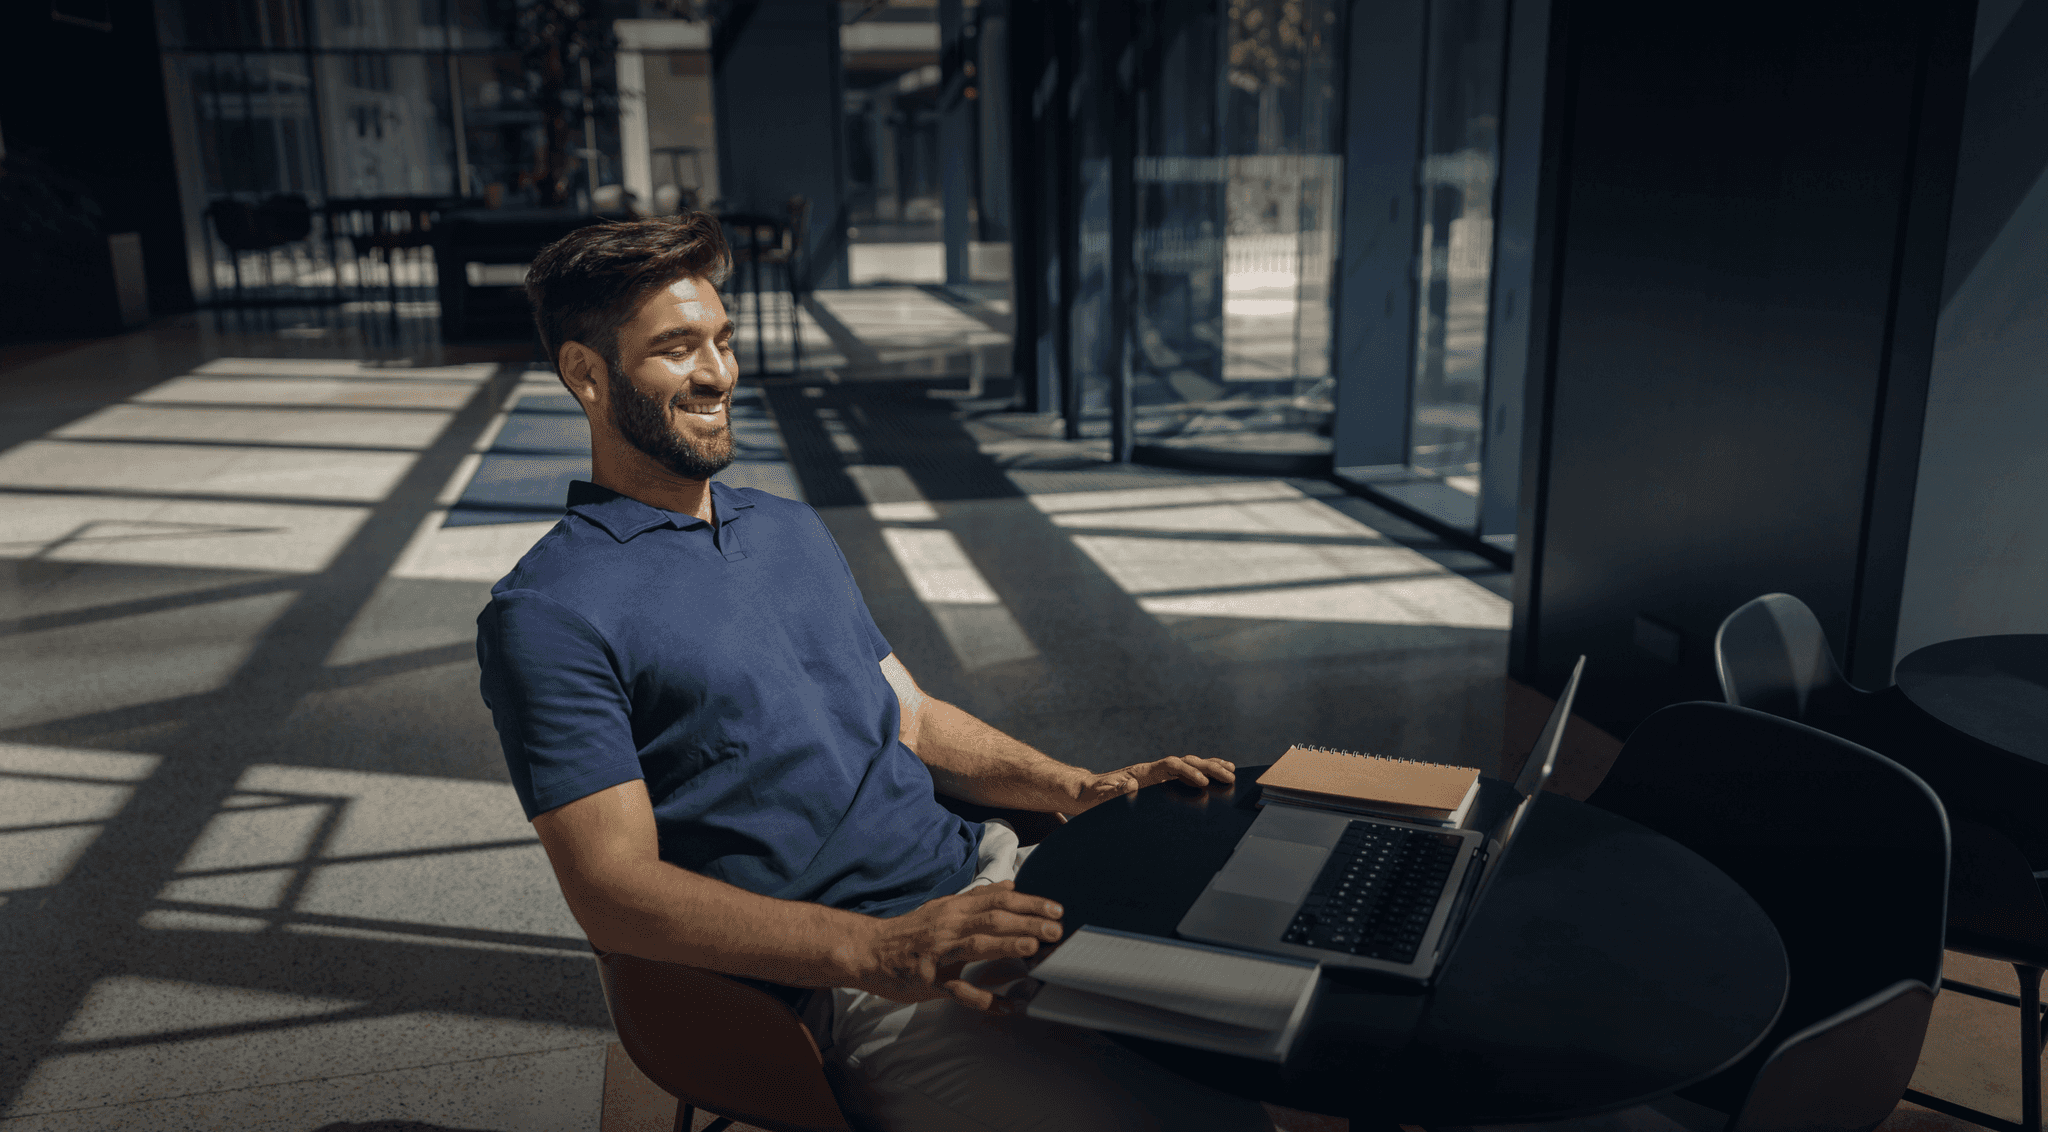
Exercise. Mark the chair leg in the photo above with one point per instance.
(760, 323)
(686, 1115)
(2030, 1046)
(2033, 1029)
(796, 323)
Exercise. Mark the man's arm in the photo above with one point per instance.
(605, 853)
(974, 762)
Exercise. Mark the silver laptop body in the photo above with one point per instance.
(1254, 900)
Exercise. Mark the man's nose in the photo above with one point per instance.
(715, 370)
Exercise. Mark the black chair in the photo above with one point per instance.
(757, 240)
(496, 236)
(1858, 893)
(1999, 910)
(277, 220)
(1772, 655)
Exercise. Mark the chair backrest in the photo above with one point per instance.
(1772, 655)
(796, 236)
(237, 224)
(754, 233)
(1845, 850)
(1846, 1071)
(719, 1044)
(285, 217)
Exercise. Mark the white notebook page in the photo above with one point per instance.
(1243, 990)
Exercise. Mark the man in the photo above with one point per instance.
(728, 766)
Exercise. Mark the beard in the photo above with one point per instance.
(643, 420)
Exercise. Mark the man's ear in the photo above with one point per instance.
(583, 371)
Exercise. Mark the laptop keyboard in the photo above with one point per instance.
(1376, 892)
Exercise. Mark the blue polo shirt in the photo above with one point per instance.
(737, 672)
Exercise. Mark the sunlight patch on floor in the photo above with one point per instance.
(979, 627)
(53, 803)
(1263, 550)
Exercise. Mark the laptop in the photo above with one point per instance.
(1365, 893)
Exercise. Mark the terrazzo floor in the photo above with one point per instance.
(260, 865)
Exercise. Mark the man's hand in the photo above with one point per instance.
(1096, 789)
(919, 955)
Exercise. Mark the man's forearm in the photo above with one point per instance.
(660, 911)
(974, 762)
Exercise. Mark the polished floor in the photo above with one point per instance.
(260, 866)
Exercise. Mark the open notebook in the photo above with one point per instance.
(1192, 994)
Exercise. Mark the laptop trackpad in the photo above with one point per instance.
(1271, 870)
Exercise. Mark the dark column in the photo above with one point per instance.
(1509, 342)
(775, 72)
(1077, 332)
(1744, 266)
(1120, 59)
(1180, 216)
(1375, 301)
(956, 138)
(1099, 243)
(1032, 71)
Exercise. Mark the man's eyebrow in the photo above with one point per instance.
(724, 330)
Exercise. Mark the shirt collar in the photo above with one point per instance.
(624, 517)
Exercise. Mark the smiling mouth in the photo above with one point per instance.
(704, 411)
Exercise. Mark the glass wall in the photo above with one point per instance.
(1237, 178)
(899, 94)
(1455, 197)
(1184, 170)
(501, 123)
(310, 131)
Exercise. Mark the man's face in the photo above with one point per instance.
(671, 383)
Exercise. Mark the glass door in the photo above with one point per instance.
(1455, 195)
(1238, 179)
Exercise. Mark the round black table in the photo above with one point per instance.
(1609, 965)
(1992, 693)
(1993, 689)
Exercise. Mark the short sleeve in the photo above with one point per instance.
(877, 643)
(563, 718)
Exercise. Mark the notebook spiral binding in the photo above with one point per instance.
(1367, 755)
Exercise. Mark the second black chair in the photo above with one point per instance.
(1847, 852)
(1772, 655)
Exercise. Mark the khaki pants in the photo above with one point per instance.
(941, 1067)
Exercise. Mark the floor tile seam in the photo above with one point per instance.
(6, 1117)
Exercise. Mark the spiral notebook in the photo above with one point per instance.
(1358, 890)
(1355, 782)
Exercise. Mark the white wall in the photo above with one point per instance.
(679, 112)
(664, 100)
(1978, 558)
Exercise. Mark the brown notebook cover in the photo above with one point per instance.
(1432, 789)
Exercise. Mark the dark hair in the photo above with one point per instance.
(584, 286)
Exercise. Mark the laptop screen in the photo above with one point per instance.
(1543, 759)
(1535, 773)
